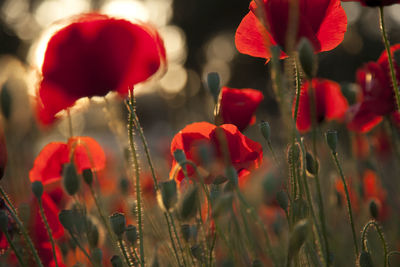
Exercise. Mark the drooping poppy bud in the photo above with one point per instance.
(71, 179)
(307, 58)
(213, 82)
(331, 140)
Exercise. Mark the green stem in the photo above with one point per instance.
(14, 214)
(81, 248)
(177, 238)
(172, 240)
(298, 90)
(48, 229)
(14, 248)
(137, 179)
(212, 248)
(389, 54)
(124, 253)
(391, 254)
(349, 209)
(381, 236)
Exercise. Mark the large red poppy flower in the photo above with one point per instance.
(237, 106)
(92, 56)
(84, 152)
(322, 22)
(244, 153)
(329, 100)
(377, 97)
(3, 154)
(375, 3)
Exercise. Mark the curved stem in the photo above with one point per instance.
(137, 178)
(391, 254)
(381, 236)
(14, 248)
(124, 253)
(349, 209)
(14, 214)
(390, 59)
(48, 229)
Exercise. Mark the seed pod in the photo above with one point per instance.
(307, 57)
(331, 139)
(37, 189)
(213, 82)
(116, 261)
(131, 234)
(117, 221)
(87, 176)
(71, 179)
(168, 195)
(189, 203)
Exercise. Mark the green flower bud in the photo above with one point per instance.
(365, 259)
(265, 130)
(331, 139)
(282, 199)
(168, 195)
(180, 157)
(116, 261)
(66, 218)
(298, 237)
(307, 57)
(37, 189)
(92, 234)
(189, 203)
(311, 164)
(213, 82)
(131, 234)
(3, 221)
(117, 221)
(374, 209)
(87, 176)
(71, 179)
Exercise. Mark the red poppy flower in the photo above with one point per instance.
(92, 56)
(377, 98)
(375, 3)
(322, 22)
(46, 255)
(244, 153)
(3, 154)
(374, 191)
(85, 152)
(329, 100)
(237, 106)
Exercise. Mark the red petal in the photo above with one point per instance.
(361, 119)
(47, 167)
(88, 154)
(238, 106)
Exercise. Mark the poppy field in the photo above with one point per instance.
(168, 133)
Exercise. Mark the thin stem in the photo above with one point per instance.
(124, 253)
(177, 238)
(172, 240)
(212, 248)
(14, 214)
(48, 229)
(349, 209)
(14, 248)
(391, 254)
(81, 247)
(70, 131)
(137, 179)
(389, 54)
(298, 89)
(381, 236)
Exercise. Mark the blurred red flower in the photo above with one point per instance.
(238, 106)
(329, 100)
(372, 190)
(377, 97)
(322, 22)
(375, 3)
(83, 151)
(3, 154)
(244, 153)
(92, 56)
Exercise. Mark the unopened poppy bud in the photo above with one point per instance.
(180, 157)
(307, 57)
(87, 176)
(232, 175)
(282, 200)
(374, 209)
(5, 102)
(185, 232)
(331, 140)
(71, 179)
(293, 154)
(97, 256)
(117, 221)
(311, 164)
(131, 234)
(116, 261)
(365, 259)
(189, 203)
(265, 130)
(168, 195)
(197, 252)
(3, 221)
(298, 237)
(37, 189)
(66, 218)
(213, 82)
